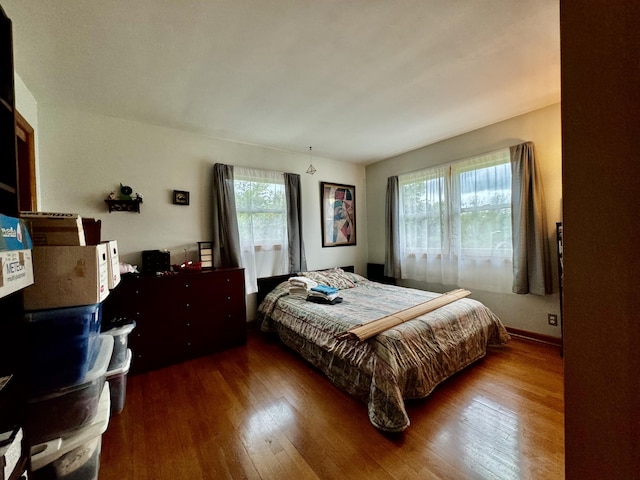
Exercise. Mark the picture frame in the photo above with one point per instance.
(180, 197)
(338, 214)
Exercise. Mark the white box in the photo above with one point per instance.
(68, 277)
(16, 271)
(49, 228)
(113, 263)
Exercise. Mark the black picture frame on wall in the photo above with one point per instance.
(180, 197)
(338, 214)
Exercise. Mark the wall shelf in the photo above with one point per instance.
(124, 205)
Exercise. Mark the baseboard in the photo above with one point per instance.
(537, 337)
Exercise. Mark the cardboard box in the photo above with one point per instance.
(16, 271)
(14, 234)
(113, 263)
(50, 229)
(68, 277)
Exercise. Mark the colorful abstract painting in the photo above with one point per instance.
(338, 214)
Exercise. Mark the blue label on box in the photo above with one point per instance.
(15, 235)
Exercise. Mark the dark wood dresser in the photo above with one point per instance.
(181, 316)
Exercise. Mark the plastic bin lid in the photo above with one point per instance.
(123, 369)
(45, 453)
(59, 313)
(99, 369)
(121, 330)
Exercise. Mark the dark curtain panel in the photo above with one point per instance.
(226, 239)
(392, 233)
(297, 260)
(531, 258)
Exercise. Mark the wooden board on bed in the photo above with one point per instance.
(266, 284)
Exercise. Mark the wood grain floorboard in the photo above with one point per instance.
(261, 412)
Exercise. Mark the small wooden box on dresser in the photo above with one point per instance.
(180, 316)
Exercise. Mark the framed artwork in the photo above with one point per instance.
(180, 197)
(338, 214)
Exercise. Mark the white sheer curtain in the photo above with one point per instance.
(262, 223)
(455, 224)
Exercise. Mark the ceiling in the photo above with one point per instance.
(358, 80)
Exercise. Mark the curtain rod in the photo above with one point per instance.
(453, 162)
(261, 169)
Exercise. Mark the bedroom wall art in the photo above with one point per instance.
(338, 214)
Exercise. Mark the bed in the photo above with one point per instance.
(405, 362)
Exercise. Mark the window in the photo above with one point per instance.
(262, 223)
(455, 223)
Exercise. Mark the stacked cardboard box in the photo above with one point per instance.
(49, 228)
(67, 271)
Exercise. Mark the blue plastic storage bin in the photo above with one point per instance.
(61, 345)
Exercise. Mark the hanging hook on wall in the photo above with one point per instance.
(311, 170)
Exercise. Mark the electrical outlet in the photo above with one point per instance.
(553, 319)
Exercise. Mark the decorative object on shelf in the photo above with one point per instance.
(338, 214)
(180, 197)
(205, 252)
(124, 202)
(311, 170)
(125, 192)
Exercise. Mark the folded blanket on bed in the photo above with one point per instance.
(323, 292)
(300, 286)
(326, 301)
(324, 289)
(302, 282)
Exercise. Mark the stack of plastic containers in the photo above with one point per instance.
(66, 366)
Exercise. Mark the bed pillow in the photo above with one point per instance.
(354, 277)
(335, 277)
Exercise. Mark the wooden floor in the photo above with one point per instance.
(261, 412)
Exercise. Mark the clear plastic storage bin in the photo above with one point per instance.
(117, 380)
(67, 409)
(76, 456)
(120, 341)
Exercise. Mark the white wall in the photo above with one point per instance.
(525, 312)
(85, 156)
(81, 157)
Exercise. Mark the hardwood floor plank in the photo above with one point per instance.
(260, 412)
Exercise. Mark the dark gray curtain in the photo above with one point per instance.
(226, 239)
(392, 233)
(297, 260)
(531, 258)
